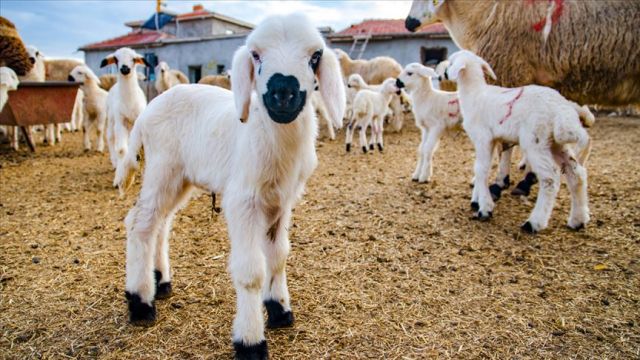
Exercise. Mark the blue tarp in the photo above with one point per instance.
(163, 19)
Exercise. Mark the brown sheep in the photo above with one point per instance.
(107, 81)
(223, 81)
(59, 69)
(373, 71)
(587, 50)
(13, 53)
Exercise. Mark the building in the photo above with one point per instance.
(381, 37)
(198, 43)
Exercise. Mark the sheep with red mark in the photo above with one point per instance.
(541, 121)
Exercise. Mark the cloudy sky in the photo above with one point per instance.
(59, 27)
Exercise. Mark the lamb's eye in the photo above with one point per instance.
(315, 60)
(409, 73)
(255, 56)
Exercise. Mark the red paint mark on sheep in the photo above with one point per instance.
(454, 102)
(511, 103)
(555, 16)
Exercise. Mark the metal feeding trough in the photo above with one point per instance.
(39, 103)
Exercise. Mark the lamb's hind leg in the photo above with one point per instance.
(157, 197)
(576, 176)
(162, 270)
(275, 293)
(542, 163)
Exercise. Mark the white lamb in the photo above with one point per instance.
(8, 82)
(435, 112)
(254, 145)
(125, 101)
(537, 118)
(168, 78)
(94, 103)
(369, 109)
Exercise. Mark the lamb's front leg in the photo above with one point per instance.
(102, 121)
(247, 232)
(543, 165)
(87, 126)
(424, 134)
(428, 149)
(121, 138)
(482, 166)
(275, 292)
(504, 168)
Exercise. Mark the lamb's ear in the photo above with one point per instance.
(453, 71)
(140, 60)
(332, 87)
(488, 70)
(111, 59)
(427, 72)
(242, 84)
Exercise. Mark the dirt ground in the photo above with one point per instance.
(381, 267)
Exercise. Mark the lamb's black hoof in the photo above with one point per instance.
(364, 149)
(380, 148)
(277, 317)
(140, 314)
(251, 352)
(482, 216)
(163, 290)
(522, 189)
(414, 179)
(475, 206)
(506, 181)
(522, 167)
(577, 227)
(370, 146)
(348, 147)
(496, 191)
(528, 228)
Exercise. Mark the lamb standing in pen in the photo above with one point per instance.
(260, 163)
(125, 101)
(435, 112)
(540, 120)
(168, 78)
(94, 105)
(369, 109)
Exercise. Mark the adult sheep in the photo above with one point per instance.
(223, 81)
(587, 50)
(373, 71)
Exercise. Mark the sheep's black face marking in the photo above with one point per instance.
(314, 62)
(399, 84)
(125, 70)
(411, 23)
(284, 100)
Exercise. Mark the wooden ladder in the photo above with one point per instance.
(363, 45)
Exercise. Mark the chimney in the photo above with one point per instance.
(198, 7)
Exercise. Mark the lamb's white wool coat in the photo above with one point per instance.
(234, 144)
(321, 109)
(369, 109)
(8, 82)
(94, 101)
(435, 112)
(125, 102)
(537, 118)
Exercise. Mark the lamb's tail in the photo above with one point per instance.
(586, 116)
(127, 167)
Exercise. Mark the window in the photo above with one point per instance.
(195, 73)
(220, 68)
(432, 56)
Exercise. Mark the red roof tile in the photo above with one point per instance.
(132, 38)
(194, 14)
(388, 26)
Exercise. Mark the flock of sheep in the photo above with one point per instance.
(255, 144)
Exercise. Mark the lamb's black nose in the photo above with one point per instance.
(32, 60)
(411, 23)
(70, 78)
(283, 98)
(125, 70)
(399, 83)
